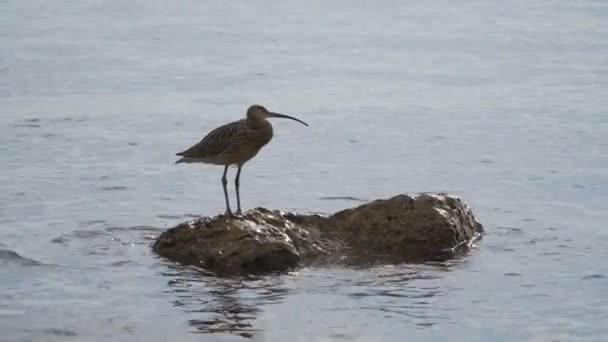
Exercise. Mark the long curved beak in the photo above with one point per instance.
(278, 115)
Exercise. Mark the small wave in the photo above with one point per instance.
(512, 274)
(114, 188)
(121, 263)
(27, 125)
(65, 239)
(342, 198)
(169, 217)
(593, 276)
(134, 228)
(504, 230)
(8, 256)
(94, 222)
(59, 332)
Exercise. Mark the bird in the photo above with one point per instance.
(234, 143)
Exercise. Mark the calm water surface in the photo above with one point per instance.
(502, 104)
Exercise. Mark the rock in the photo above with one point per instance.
(401, 228)
(261, 241)
(425, 227)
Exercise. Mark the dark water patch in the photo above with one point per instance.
(103, 177)
(32, 120)
(133, 143)
(49, 135)
(133, 228)
(579, 186)
(27, 125)
(593, 276)
(512, 274)
(59, 332)
(396, 293)
(61, 240)
(11, 257)
(353, 141)
(114, 188)
(543, 239)
(169, 217)
(426, 324)
(503, 230)
(65, 239)
(19, 194)
(342, 198)
(121, 263)
(486, 161)
(528, 220)
(219, 325)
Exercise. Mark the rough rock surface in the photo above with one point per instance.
(401, 228)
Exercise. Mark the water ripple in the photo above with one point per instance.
(11, 257)
(223, 305)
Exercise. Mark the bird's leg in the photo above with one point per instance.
(224, 185)
(236, 186)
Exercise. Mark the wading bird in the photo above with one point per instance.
(234, 144)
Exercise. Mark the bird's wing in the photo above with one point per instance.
(214, 143)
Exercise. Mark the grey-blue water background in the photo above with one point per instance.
(503, 104)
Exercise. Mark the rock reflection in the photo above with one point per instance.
(223, 305)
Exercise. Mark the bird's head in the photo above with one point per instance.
(258, 113)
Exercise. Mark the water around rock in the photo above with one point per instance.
(402, 228)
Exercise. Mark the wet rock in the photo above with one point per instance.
(261, 241)
(424, 227)
(401, 228)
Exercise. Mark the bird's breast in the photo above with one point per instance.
(261, 135)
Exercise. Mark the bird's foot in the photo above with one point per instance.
(228, 213)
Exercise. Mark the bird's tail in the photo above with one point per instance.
(188, 160)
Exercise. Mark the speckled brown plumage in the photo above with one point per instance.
(234, 143)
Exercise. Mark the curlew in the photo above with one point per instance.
(234, 144)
